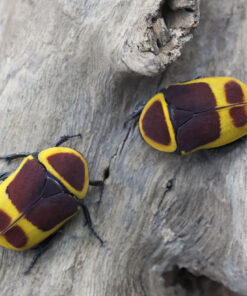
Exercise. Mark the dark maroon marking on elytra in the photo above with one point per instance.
(27, 185)
(70, 167)
(234, 92)
(16, 237)
(154, 124)
(50, 211)
(238, 116)
(180, 116)
(200, 130)
(4, 220)
(196, 97)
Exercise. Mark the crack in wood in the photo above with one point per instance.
(169, 186)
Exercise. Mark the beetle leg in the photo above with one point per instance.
(199, 77)
(89, 222)
(193, 78)
(13, 156)
(63, 139)
(135, 114)
(5, 175)
(41, 248)
(96, 183)
(35, 258)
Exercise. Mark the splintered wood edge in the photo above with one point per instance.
(159, 34)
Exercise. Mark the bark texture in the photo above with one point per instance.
(77, 67)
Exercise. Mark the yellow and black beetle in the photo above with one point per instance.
(44, 192)
(198, 114)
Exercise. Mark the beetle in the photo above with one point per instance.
(198, 114)
(44, 192)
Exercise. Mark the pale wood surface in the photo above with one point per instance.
(76, 66)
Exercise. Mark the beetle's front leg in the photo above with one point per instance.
(63, 139)
(99, 183)
(13, 156)
(5, 175)
(89, 221)
(135, 114)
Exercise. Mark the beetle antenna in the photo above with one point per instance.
(136, 113)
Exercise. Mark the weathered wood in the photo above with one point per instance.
(70, 67)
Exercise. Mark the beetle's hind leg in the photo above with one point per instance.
(63, 139)
(13, 156)
(135, 114)
(89, 221)
(41, 249)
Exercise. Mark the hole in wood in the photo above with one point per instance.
(106, 173)
(176, 17)
(195, 285)
(188, 9)
(168, 15)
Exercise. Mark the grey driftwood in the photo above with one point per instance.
(79, 66)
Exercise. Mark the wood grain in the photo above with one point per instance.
(78, 66)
